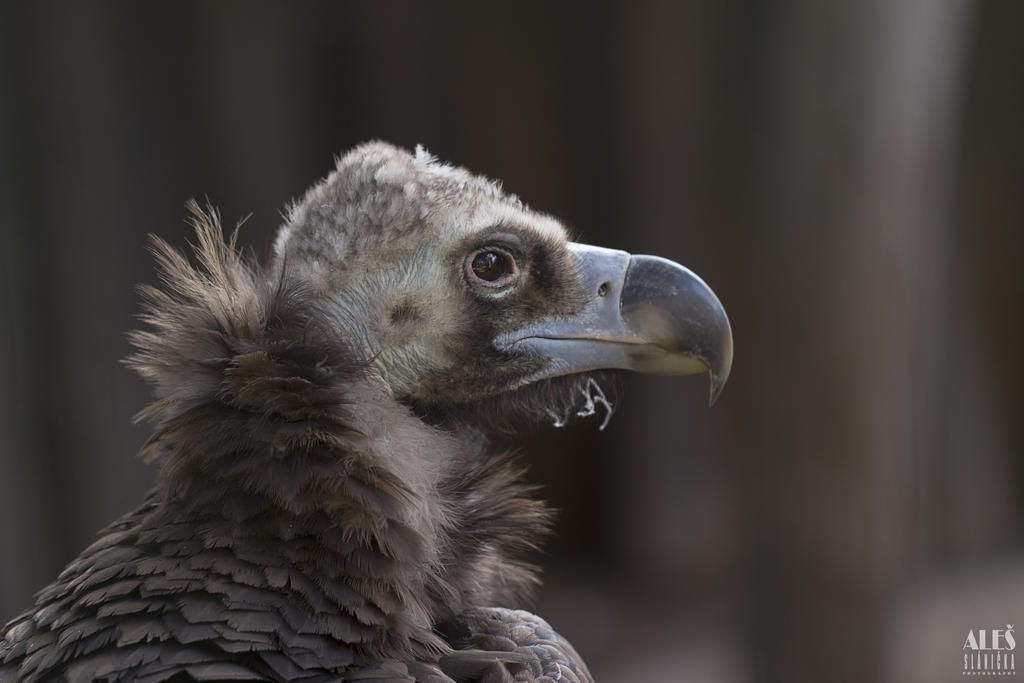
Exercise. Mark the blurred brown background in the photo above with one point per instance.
(848, 176)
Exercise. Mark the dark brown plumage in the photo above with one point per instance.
(327, 506)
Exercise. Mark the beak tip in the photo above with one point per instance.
(718, 375)
(717, 384)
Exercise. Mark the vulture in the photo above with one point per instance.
(327, 505)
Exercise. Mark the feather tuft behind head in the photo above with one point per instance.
(232, 356)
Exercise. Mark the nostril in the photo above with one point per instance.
(603, 289)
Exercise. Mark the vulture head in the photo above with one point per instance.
(327, 504)
(460, 297)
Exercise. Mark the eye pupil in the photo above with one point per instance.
(491, 265)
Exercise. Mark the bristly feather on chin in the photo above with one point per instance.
(556, 401)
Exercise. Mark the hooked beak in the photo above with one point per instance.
(645, 313)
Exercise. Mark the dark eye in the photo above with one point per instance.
(494, 267)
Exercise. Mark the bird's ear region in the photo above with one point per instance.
(641, 313)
